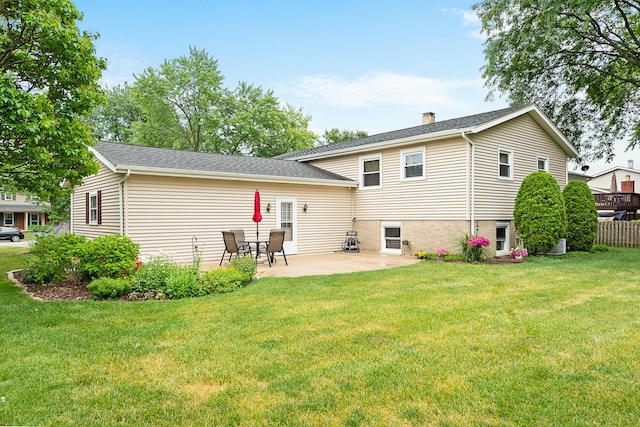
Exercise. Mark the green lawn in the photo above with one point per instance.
(553, 341)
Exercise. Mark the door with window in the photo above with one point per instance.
(286, 214)
(502, 238)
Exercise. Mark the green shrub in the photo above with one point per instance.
(53, 258)
(601, 248)
(107, 256)
(182, 283)
(222, 280)
(153, 275)
(246, 265)
(108, 288)
(582, 216)
(539, 212)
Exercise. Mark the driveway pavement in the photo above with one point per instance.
(20, 244)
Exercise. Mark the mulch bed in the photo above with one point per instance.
(65, 291)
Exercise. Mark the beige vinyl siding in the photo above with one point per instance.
(495, 197)
(164, 213)
(107, 182)
(441, 196)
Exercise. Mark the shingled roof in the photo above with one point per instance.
(152, 160)
(457, 124)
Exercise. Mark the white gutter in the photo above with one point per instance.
(121, 200)
(473, 183)
(278, 179)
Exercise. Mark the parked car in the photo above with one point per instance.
(11, 233)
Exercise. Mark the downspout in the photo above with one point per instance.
(473, 184)
(121, 200)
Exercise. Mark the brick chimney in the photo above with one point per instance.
(428, 118)
(627, 187)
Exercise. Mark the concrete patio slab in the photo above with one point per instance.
(331, 263)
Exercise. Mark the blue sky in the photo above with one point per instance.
(374, 66)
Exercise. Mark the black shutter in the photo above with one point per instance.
(99, 206)
(86, 208)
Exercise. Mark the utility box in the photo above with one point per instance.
(559, 249)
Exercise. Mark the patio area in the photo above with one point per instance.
(328, 263)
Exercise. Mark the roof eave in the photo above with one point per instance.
(399, 142)
(540, 118)
(182, 173)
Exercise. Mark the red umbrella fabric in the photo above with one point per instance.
(257, 216)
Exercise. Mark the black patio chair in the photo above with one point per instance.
(275, 244)
(231, 247)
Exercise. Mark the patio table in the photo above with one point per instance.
(257, 243)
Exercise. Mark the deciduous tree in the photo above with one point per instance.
(331, 136)
(185, 106)
(48, 82)
(114, 120)
(579, 60)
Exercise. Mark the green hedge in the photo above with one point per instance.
(582, 216)
(539, 213)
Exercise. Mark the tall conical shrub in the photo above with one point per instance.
(582, 216)
(539, 212)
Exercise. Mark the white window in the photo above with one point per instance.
(502, 238)
(371, 171)
(543, 164)
(93, 208)
(7, 196)
(413, 164)
(9, 219)
(391, 237)
(505, 163)
(35, 219)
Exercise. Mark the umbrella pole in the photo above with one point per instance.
(257, 232)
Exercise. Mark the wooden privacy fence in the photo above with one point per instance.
(619, 233)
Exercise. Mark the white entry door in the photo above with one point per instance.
(286, 214)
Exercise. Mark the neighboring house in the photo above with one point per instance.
(428, 184)
(615, 190)
(17, 210)
(578, 176)
(601, 182)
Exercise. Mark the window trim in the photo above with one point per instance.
(98, 208)
(508, 151)
(546, 163)
(403, 163)
(383, 246)
(13, 219)
(362, 161)
(506, 249)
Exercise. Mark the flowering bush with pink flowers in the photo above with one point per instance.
(442, 252)
(517, 252)
(473, 247)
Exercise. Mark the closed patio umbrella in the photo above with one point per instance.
(614, 184)
(257, 216)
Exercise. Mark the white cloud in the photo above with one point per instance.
(122, 64)
(469, 19)
(384, 88)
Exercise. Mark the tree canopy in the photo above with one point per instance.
(578, 60)
(184, 105)
(331, 136)
(48, 83)
(113, 121)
